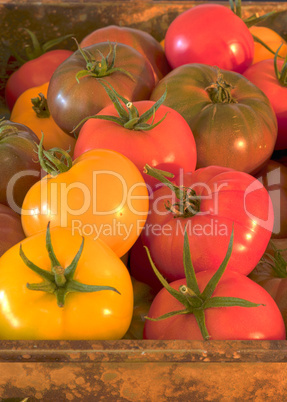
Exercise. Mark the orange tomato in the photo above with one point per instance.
(271, 39)
(41, 121)
(103, 195)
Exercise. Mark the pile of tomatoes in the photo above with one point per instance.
(140, 196)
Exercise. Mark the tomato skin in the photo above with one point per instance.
(18, 150)
(266, 276)
(274, 178)
(158, 147)
(11, 231)
(227, 197)
(70, 102)
(33, 73)
(97, 198)
(224, 323)
(209, 34)
(23, 113)
(262, 75)
(271, 39)
(226, 134)
(142, 41)
(84, 315)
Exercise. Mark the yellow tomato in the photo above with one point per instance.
(271, 39)
(103, 195)
(92, 299)
(40, 120)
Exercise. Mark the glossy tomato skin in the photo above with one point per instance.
(274, 178)
(19, 168)
(226, 133)
(33, 73)
(209, 34)
(11, 231)
(262, 74)
(24, 113)
(103, 196)
(98, 315)
(169, 146)
(225, 323)
(227, 198)
(69, 101)
(142, 41)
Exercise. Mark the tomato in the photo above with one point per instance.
(271, 38)
(32, 110)
(33, 73)
(142, 41)
(158, 146)
(232, 121)
(225, 323)
(19, 166)
(209, 34)
(102, 195)
(274, 178)
(263, 75)
(212, 200)
(75, 91)
(143, 297)
(11, 231)
(271, 274)
(63, 308)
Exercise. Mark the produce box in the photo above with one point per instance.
(130, 370)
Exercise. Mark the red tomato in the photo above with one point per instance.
(209, 34)
(263, 75)
(237, 323)
(33, 73)
(225, 197)
(159, 147)
(142, 41)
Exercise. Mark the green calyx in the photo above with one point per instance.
(55, 160)
(281, 75)
(102, 68)
(220, 91)
(196, 302)
(188, 204)
(128, 117)
(59, 281)
(278, 263)
(40, 106)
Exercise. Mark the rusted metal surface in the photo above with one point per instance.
(144, 370)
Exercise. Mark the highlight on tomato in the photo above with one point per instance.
(60, 285)
(102, 194)
(212, 305)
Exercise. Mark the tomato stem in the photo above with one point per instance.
(129, 118)
(60, 280)
(220, 91)
(40, 106)
(194, 301)
(189, 202)
(282, 75)
(100, 68)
